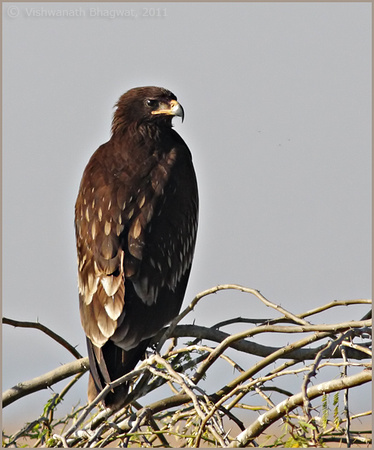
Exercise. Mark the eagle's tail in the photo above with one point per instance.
(109, 363)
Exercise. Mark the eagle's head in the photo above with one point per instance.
(149, 105)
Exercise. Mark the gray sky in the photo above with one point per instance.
(277, 100)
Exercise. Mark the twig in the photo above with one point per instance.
(274, 328)
(312, 312)
(270, 359)
(100, 396)
(159, 434)
(142, 416)
(28, 427)
(333, 304)
(222, 287)
(201, 348)
(182, 383)
(359, 348)
(61, 439)
(346, 398)
(46, 330)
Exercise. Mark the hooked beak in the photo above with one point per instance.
(172, 109)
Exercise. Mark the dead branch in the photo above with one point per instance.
(44, 381)
(269, 417)
(256, 349)
(46, 330)
(199, 418)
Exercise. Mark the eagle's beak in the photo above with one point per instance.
(172, 109)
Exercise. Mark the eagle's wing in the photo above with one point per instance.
(140, 227)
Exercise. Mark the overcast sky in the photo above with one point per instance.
(277, 100)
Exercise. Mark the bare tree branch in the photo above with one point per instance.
(47, 331)
(44, 381)
(269, 417)
(334, 303)
(197, 417)
(254, 348)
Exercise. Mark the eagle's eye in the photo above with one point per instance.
(152, 103)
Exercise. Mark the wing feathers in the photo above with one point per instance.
(141, 210)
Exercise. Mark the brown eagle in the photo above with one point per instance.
(135, 222)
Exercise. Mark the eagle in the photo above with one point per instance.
(136, 218)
